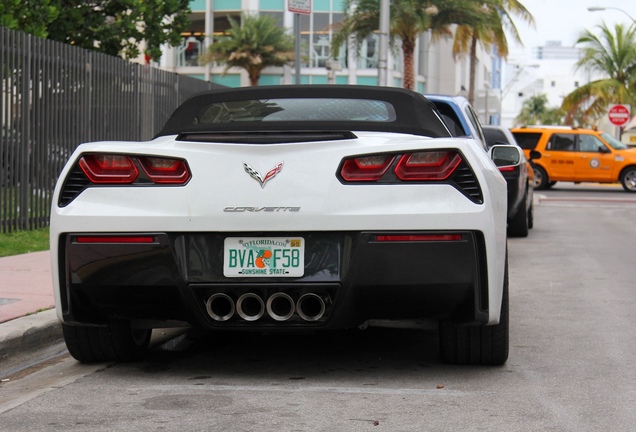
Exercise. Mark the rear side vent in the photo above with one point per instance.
(75, 183)
(465, 181)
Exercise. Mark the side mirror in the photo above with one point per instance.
(603, 149)
(535, 154)
(506, 155)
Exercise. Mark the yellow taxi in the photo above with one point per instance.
(577, 155)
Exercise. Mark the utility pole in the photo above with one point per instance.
(209, 30)
(385, 18)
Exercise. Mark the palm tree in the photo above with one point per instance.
(254, 44)
(612, 56)
(535, 111)
(408, 20)
(488, 30)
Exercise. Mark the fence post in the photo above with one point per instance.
(25, 138)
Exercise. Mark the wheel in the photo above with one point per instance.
(520, 223)
(484, 345)
(628, 179)
(541, 180)
(531, 216)
(118, 341)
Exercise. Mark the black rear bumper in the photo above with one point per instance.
(357, 277)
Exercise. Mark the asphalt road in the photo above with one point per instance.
(571, 366)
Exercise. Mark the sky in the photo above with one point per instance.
(564, 20)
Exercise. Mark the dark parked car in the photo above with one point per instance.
(520, 179)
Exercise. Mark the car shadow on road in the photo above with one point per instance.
(297, 356)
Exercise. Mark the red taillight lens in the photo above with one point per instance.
(115, 239)
(507, 169)
(418, 237)
(428, 165)
(109, 168)
(122, 169)
(366, 168)
(166, 171)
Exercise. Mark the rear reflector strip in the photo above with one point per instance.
(418, 237)
(114, 239)
(507, 169)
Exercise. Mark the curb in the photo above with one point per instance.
(28, 334)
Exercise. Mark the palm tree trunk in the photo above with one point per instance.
(408, 48)
(473, 67)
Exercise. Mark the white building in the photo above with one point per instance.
(549, 70)
(435, 69)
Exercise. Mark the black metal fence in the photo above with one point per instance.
(56, 96)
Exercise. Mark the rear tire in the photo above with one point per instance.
(628, 179)
(484, 345)
(118, 341)
(541, 180)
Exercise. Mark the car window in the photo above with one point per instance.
(472, 118)
(561, 142)
(527, 140)
(449, 116)
(296, 110)
(616, 144)
(494, 136)
(589, 143)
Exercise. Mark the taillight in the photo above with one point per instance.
(124, 169)
(163, 170)
(415, 166)
(109, 168)
(366, 168)
(427, 165)
(507, 169)
(114, 239)
(418, 237)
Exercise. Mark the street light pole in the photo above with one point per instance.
(383, 70)
(602, 8)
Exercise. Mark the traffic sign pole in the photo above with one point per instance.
(298, 7)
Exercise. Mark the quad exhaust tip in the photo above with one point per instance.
(250, 307)
(310, 307)
(280, 306)
(220, 307)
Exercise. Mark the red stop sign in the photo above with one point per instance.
(619, 114)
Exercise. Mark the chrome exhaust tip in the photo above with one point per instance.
(280, 306)
(310, 307)
(250, 307)
(220, 307)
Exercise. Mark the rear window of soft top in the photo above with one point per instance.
(297, 110)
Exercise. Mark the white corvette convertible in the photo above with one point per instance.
(284, 208)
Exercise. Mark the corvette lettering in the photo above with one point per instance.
(260, 209)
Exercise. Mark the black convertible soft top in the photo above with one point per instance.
(304, 108)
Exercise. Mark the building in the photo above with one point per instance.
(436, 69)
(549, 70)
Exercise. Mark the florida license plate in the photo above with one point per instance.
(264, 257)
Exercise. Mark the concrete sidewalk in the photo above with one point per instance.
(27, 320)
(25, 285)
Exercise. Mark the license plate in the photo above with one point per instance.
(264, 257)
